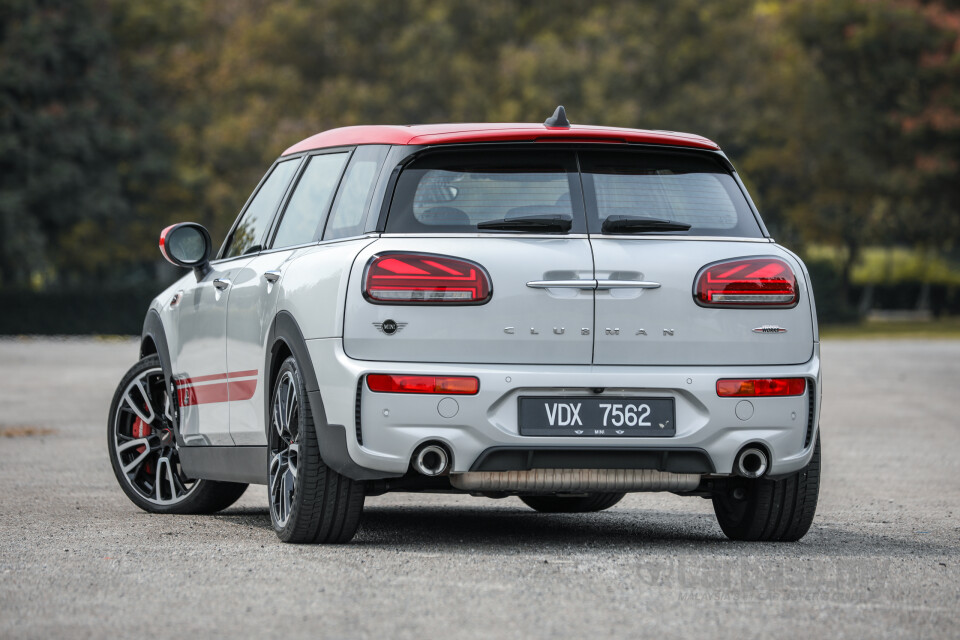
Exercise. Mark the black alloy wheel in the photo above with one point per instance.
(309, 501)
(144, 452)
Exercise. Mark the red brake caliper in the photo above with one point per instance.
(141, 430)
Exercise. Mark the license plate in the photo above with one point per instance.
(597, 417)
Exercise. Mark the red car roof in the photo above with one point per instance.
(493, 132)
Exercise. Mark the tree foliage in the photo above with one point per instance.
(123, 117)
(72, 142)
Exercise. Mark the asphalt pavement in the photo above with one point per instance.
(882, 559)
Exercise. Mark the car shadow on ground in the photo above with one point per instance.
(497, 530)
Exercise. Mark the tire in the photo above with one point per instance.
(770, 510)
(143, 450)
(309, 501)
(589, 503)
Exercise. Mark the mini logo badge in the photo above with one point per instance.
(389, 327)
(769, 328)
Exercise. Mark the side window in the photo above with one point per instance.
(310, 200)
(347, 216)
(248, 234)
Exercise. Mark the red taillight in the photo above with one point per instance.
(419, 278)
(446, 385)
(761, 387)
(752, 282)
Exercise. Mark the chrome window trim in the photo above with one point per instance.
(319, 243)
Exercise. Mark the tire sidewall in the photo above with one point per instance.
(290, 364)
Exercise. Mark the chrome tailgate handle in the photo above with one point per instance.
(563, 284)
(626, 284)
(593, 284)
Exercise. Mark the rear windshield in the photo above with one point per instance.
(454, 191)
(688, 189)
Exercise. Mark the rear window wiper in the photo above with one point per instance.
(529, 223)
(632, 224)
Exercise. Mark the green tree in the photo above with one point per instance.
(930, 125)
(69, 142)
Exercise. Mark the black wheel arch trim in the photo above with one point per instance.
(153, 332)
(331, 438)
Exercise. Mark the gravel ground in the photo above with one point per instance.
(77, 559)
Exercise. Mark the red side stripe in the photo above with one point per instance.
(187, 381)
(189, 394)
(242, 390)
(204, 394)
(217, 376)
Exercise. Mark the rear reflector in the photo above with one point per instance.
(446, 385)
(420, 278)
(761, 387)
(752, 282)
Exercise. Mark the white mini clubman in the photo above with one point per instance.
(556, 312)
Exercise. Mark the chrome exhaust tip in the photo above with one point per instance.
(431, 460)
(751, 463)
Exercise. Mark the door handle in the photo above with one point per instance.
(563, 284)
(272, 276)
(221, 283)
(626, 284)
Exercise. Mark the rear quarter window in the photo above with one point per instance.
(356, 189)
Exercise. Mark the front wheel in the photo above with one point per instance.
(309, 501)
(770, 510)
(144, 453)
(590, 503)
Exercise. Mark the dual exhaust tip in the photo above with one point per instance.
(751, 462)
(431, 459)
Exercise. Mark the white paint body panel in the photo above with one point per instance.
(251, 308)
(314, 286)
(549, 326)
(199, 350)
(489, 418)
(677, 331)
(321, 286)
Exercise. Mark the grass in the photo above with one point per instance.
(939, 328)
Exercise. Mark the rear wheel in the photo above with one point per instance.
(144, 453)
(572, 504)
(770, 510)
(309, 501)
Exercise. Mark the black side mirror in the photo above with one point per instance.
(187, 245)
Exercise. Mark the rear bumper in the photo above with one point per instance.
(482, 433)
